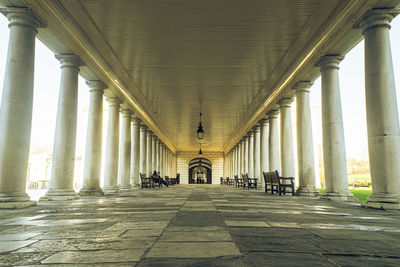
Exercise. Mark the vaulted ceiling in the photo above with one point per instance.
(172, 59)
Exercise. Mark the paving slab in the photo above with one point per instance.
(99, 256)
(199, 225)
(193, 250)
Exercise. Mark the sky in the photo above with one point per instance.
(351, 75)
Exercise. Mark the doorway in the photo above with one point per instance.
(200, 171)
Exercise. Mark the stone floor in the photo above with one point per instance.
(199, 225)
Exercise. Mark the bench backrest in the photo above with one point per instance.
(245, 178)
(271, 177)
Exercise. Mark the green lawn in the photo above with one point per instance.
(360, 193)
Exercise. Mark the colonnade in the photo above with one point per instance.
(126, 152)
(136, 149)
(382, 125)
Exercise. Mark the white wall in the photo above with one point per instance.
(216, 158)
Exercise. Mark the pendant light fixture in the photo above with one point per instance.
(200, 131)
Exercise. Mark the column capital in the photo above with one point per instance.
(126, 112)
(143, 127)
(272, 114)
(303, 86)
(286, 102)
(135, 121)
(264, 121)
(113, 101)
(96, 85)
(329, 61)
(251, 132)
(22, 16)
(69, 60)
(149, 132)
(246, 137)
(377, 18)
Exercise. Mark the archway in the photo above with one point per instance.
(200, 171)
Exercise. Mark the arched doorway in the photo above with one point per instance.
(200, 171)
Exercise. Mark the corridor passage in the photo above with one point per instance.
(199, 225)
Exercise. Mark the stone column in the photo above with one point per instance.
(242, 153)
(149, 163)
(235, 162)
(257, 137)
(62, 171)
(274, 162)
(251, 153)
(382, 115)
(135, 153)
(305, 149)
(333, 133)
(158, 155)
(94, 139)
(287, 153)
(143, 149)
(161, 158)
(112, 147)
(153, 153)
(124, 169)
(264, 145)
(16, 107)
(246, 154)
(237, 159)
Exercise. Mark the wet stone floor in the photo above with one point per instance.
(199, 225)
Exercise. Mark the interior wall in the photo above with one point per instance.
(216, 158)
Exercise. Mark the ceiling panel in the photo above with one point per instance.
(189, 56)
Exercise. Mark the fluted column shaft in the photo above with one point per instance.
(149, 155)
(273, 156)
(112, 147)
(251, 154)
(287, 153)
(143, 149)
(124, 170)
(257, 159)
(62, 171)
(264, 148)
(332, 132)
(94, 139)
(382, 113)
(135, 153)
(16, 107)
(305, 149)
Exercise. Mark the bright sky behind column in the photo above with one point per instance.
(351, 75)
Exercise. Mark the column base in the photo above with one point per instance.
(15, 200)
(124, 188)
(307, 192)
(384, 201)
(60, 195)
(109, 190)
(91, 191)
(337, 196)
(135, 186)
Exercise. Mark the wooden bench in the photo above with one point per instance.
(238, 181)
(250, 182)
(229, 181)
(278, 184)
(146, 181)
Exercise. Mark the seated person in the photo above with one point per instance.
(157, 178)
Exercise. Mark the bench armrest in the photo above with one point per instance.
(287, 178)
